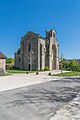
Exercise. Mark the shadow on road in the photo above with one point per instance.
(59, 91)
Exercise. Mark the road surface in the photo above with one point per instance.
(52, 100)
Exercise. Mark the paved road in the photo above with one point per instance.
(21, 80)
(70, 111)
(42, 101)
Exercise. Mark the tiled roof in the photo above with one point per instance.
(2, 56)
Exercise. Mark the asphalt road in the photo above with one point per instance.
(38, 102)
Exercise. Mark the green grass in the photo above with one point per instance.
(6, 74)
(67, 74)
(16, 71)
(23, 71)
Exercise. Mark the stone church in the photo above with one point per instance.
(36, 52)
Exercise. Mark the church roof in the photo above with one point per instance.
(30, 32)
(2, 56)
(33, 33)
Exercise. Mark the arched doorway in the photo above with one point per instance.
(54, 56)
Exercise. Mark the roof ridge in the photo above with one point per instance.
(2, 56)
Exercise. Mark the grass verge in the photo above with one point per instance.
(6, 74)
(66, 74)
(23, 71)
(17, 71)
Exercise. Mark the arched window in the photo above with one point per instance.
(29, 46)
(19, 60)
(54, 35)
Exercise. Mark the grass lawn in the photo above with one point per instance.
(67, 74)
(23, 71)
(6, 74)
(16, 71)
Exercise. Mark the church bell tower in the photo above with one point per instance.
(53, 50)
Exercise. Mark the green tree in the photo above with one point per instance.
(66, 65)
(72, 65)
(10, 61)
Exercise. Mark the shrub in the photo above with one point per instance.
(46, 68)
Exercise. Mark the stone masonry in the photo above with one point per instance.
(36, 52)
(2, 62)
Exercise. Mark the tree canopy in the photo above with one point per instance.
(10, 61)
(71, 65)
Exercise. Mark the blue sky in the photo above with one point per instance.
(17, 17)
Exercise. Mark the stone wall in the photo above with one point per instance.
(30, 57)
(3, 64)
(52, 50)
(17, 61)
(41, 54)
(32, 52)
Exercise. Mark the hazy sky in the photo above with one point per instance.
(17, 17)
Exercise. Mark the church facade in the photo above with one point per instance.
(36, 52)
